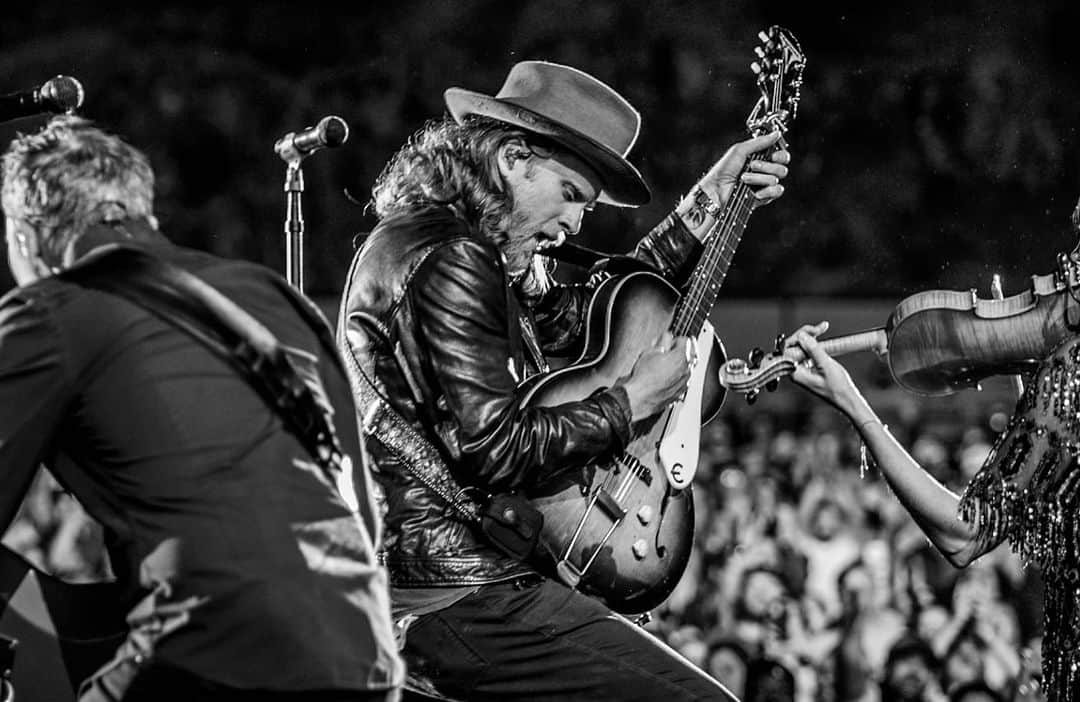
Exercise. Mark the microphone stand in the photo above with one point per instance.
(331, 131)
(294, 225)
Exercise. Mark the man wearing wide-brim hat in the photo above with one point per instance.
(446, 311)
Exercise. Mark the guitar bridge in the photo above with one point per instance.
(610, 507)
(569, 573)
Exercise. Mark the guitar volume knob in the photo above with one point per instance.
(640, 549)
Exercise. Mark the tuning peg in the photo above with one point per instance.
(765, 38)
(759, 51)
(751, 397)
(756, 357)
(779, 343)
(755, 67)
(772, 384)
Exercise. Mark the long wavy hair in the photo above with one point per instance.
(455, 165)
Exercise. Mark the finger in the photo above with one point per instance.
(758, 143)
(758, 180)
(665, 342)
(781, 156)
(814, 349)
(814, 330)
(691, 351)
(809, 377)
(769, 194)
(777, 169)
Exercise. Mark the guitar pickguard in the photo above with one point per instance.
(680, 440)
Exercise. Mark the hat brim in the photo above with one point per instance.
(623, 185)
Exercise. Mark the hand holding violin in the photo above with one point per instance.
(822, 375)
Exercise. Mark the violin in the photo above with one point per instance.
(940, 341)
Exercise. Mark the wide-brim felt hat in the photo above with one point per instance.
(573, 109)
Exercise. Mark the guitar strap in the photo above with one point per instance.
(509, 521)
(186, 302)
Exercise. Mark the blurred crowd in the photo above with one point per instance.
(933, 146)
(808, 581)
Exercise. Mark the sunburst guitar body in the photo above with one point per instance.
(622, 528)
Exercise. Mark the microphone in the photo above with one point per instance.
(330, 132)
(59, 94)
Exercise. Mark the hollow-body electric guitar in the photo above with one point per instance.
(621, 530)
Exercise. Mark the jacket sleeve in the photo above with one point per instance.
(671, 250)
(460, 308)
(33, 384)
(560, 314)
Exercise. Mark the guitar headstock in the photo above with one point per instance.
(779, 70)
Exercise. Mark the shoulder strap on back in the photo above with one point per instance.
(185, 301)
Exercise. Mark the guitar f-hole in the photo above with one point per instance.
(661, 549)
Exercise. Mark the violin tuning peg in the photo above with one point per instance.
(772, 384)
(756, 357)
(780, 339)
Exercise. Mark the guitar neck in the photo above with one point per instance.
(779, 78)
(720, 245)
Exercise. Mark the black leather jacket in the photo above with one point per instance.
(428, 306)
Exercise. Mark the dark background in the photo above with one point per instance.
(937, 143)
(933, 146)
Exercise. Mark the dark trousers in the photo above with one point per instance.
(538, 640)
(161, 683)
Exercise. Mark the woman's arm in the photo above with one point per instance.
(933, 506)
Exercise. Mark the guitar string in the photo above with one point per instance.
(691, 315)
(723, 241)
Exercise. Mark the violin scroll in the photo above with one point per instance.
(763, 370)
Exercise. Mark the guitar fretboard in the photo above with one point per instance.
(708, 276)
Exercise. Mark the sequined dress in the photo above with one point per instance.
(1029, 493)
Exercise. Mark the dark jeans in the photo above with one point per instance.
(538, 640)
(160, 683)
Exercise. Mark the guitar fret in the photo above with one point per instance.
(635, 515)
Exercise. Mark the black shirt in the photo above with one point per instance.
(196, 482)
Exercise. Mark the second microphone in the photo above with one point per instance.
(331, 131)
